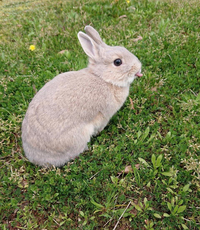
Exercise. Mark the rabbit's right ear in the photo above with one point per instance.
(89, 46)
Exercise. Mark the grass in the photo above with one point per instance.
(143, 170)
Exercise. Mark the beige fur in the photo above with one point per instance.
(73, 106)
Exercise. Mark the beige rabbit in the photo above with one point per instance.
(76, 105)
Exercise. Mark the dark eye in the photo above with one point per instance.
(117, 62)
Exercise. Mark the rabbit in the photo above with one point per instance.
(74, 106)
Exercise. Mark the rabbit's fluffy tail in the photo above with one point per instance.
(42, 158)
(74, 146)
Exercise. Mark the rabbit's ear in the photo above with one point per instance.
(88, 45)
(90, 31)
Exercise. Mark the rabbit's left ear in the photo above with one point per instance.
(89, 46)
(90, 31)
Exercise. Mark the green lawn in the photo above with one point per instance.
(155, 136)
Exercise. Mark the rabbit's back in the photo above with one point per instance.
(65, 111)
(65, 101)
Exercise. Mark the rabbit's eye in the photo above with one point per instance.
(117, 62)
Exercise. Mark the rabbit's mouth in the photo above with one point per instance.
(133, 76)
(139, 74)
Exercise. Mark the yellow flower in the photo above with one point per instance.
(128, 1)
(31, 47)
